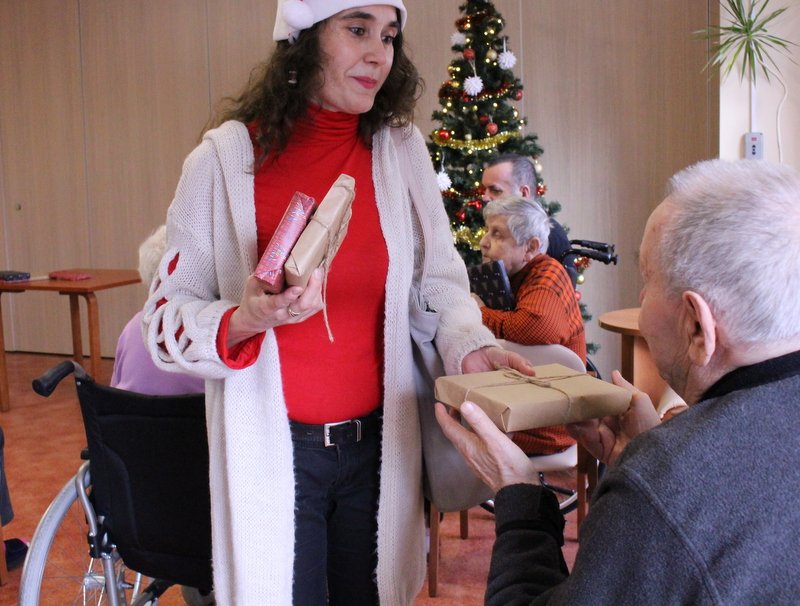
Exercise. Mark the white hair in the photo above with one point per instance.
(525, 218)
(150, 253)
(734, 238)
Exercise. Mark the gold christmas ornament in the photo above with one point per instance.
(468, 144)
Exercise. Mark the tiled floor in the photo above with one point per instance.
(43, 442)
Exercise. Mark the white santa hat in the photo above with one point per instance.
(296, 15)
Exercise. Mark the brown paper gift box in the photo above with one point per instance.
(323, 235)
(515, 402)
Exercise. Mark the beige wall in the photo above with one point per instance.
(100, 101)
(776, 117)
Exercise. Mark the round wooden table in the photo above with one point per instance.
(637, 364)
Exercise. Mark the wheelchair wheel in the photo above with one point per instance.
(59, 569)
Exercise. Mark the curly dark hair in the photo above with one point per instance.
(271, 103)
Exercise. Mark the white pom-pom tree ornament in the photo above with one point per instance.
(473, 85)
(507, 59)
(458, 39)
(443, 180)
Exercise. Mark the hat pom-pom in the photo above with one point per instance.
(297, 14)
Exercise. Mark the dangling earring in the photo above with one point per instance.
(292, 77)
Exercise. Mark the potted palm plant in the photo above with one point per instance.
(744, 39)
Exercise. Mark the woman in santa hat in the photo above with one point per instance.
(315, 445)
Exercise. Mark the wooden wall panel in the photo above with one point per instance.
(44, 188)
(614, 90)
(623, 103)
(239, 37)
(145, 73)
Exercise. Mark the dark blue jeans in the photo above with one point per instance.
(336, 523)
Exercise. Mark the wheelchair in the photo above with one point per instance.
(135, 518)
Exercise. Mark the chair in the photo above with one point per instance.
(142, 500)
(570, 458)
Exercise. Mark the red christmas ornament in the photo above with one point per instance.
(461, 215)
(491, 128)
(484, 119)
(476, 204)
(518, 95)
(541, 190)
(469, 54)
(578, 295)
(444, 135)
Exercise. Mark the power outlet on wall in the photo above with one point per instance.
(754, 146)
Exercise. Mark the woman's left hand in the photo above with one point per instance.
(492, 358)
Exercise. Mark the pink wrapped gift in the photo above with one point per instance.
(292, 224)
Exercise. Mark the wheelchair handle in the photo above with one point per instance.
(602, 246)
(603, 257)
(45, 384)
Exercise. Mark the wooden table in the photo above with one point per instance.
(637, 363)
(101, 279)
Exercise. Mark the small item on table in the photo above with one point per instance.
(554, 396)
(69, 274)
(323, 235)
(8, 275)
(270, 267)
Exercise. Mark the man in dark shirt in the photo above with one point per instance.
(515, 175)
(699, 509)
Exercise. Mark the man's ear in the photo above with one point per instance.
(700, 327)
(524, 191)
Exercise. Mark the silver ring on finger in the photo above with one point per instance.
(292, 312)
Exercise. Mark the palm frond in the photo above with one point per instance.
(745, 39)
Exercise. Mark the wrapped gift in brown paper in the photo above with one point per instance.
(323, 235)
(515, 402)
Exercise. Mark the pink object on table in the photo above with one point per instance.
(270, 267)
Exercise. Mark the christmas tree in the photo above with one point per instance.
(477, 121)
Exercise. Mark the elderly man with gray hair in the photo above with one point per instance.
(546, 310)
(700, 509)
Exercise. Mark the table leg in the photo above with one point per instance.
(94, 334)
(433, 552)
(75, 320)
(626, 359)
(5, 398)
(637, 366)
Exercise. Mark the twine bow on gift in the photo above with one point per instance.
(517, 378)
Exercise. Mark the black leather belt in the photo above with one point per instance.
(339, 433)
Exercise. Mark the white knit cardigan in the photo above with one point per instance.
(211, 226)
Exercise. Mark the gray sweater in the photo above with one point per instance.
(700, 510)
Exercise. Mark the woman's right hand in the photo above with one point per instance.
(259, 311)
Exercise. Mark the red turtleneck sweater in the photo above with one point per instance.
(322, 381)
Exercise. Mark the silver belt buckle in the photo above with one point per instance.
(328, 426)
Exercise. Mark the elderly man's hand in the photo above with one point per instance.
(490, 453)
(606, 438)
